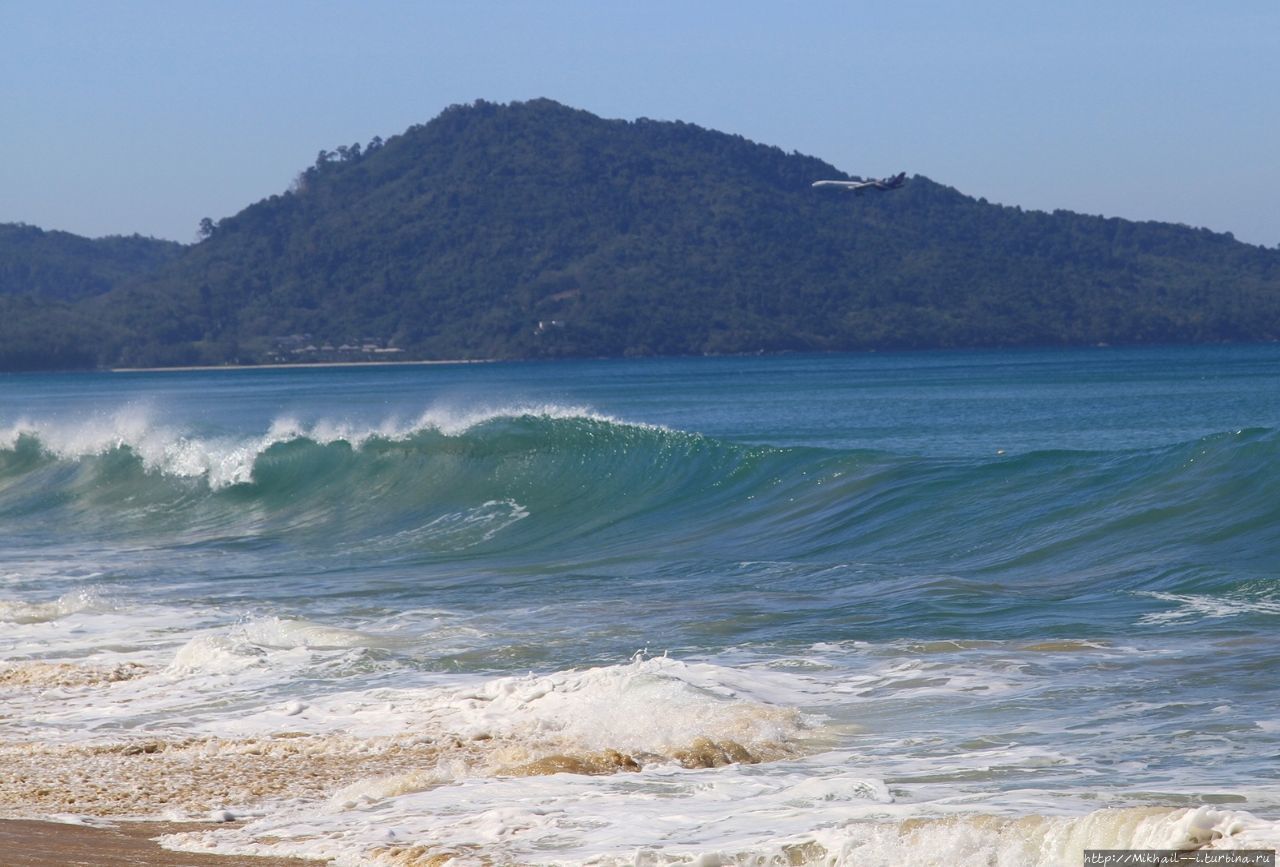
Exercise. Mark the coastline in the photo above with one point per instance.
(294, 365)
(41, 843)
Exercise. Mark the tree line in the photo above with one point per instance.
(536, 230)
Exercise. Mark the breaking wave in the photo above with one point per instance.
(565, 478)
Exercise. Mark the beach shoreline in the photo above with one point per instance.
(295, 365)
(42, 843)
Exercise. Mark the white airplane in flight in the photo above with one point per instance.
(858, 185)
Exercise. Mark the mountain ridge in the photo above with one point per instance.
(534, 230)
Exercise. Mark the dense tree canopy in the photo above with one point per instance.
(59, 265)
(535, 230)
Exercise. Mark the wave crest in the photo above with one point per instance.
(550, 478)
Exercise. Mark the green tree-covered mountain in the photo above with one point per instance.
(42, 276)
(536, 230)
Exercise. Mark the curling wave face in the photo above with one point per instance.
(532, 479)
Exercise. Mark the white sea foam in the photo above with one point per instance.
(1198, 606)
(309, 725)
(665, 813)
(452, 421)
(734, 816)
(1042, 841)
(84, 599)
(280, 632)
(655, 707)
(214, 654)
(257, 709)
(161, 448)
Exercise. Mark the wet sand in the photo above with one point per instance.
(28, 843)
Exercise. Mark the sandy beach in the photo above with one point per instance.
(30, 843)
(291, 365)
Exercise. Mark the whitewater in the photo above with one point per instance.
(970, 608)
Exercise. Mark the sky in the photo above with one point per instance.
(135, 116)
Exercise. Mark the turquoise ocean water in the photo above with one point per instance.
(928, 608)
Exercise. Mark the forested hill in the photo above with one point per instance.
(43, 276)
(66, 266)
(536, 230)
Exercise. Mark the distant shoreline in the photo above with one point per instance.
(292, 365)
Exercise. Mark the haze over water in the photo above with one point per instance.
(934, 608)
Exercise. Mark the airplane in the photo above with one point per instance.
(860, 184)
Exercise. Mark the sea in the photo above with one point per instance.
(937, 608)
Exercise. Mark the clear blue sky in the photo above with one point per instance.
(123, 117)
